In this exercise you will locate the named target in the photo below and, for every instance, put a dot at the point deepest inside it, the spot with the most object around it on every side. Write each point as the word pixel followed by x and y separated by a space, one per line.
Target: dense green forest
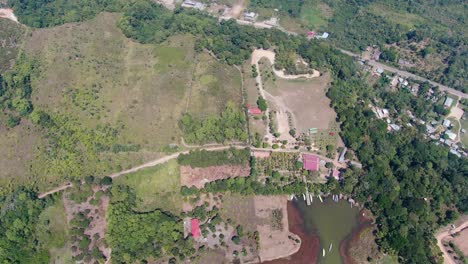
pixel 136 236
pixel 19 215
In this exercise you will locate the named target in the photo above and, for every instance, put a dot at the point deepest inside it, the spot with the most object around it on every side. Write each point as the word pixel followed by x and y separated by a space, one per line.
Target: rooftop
pixel 311 162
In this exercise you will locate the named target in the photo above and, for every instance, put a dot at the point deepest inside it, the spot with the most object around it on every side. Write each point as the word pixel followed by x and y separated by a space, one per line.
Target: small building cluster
pixel 314 35
pixel 193 4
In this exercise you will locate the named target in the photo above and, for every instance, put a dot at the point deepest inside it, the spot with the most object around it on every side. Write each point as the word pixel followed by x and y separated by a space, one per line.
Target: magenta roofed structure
pixel 311 162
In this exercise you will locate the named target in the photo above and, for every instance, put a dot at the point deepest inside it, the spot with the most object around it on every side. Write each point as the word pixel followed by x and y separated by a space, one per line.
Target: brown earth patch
pixel 310 243
pixel 274 242
pixel 199 176
pixel 97 228
pixel 461 241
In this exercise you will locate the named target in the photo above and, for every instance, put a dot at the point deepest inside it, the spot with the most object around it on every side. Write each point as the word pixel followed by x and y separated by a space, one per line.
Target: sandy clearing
pixel 8 14
pixel 198 177
pixel 274 243
pixel 270 55
pixel 442 235
pixel 456 112
pixel 462 241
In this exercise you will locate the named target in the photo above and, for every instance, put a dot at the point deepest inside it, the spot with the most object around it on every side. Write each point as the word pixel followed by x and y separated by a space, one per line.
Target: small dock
pixel 307 195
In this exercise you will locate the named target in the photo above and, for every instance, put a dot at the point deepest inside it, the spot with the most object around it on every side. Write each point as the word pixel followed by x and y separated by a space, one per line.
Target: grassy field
pixel 11 38
pixel 314 15
pixel 53 232
pixel 213 85
pixel 235 203
pixel 156 187
pixel 464 137
pixel 91 73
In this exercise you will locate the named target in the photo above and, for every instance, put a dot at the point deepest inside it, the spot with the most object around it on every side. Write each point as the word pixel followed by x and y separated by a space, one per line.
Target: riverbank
pixel 364 225
pixel 310 242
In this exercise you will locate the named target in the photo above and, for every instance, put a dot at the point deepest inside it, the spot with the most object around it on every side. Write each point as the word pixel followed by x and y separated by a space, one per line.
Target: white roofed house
pixel 450 135
pixel 250 16
pixel 446 123
pixel 193 4
pixel 448 102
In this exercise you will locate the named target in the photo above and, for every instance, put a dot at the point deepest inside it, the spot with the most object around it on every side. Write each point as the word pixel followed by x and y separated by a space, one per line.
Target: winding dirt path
pixel 444 234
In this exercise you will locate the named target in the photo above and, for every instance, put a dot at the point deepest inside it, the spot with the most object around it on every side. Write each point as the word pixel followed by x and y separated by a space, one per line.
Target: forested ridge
pixel 410 184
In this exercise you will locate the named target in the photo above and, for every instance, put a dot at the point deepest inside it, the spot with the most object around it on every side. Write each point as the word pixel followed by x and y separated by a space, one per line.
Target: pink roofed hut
pixel 311 162
pixel 195 227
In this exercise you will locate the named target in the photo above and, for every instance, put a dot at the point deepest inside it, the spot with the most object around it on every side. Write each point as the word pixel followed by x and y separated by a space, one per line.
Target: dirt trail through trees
pixel 442 235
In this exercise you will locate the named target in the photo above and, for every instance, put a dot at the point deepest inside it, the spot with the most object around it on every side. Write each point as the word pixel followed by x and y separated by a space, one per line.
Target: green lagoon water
pixel 333 221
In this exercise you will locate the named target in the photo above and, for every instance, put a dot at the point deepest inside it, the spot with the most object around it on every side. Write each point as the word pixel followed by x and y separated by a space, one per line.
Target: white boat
pixel 323 252
pixel 303 195
pixel 320 198
pixel 310 196
pixel 330 248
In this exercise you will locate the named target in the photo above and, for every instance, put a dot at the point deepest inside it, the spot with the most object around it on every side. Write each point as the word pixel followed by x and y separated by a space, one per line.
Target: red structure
pixel 311 34
pixel 253 110
pixel 336 174
pixel 195 226
pixel 311 162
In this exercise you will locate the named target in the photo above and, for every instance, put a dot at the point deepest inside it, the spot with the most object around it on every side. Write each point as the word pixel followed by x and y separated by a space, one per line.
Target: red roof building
pixel 336 174
pixel 311 162
pixel 195 226
pixel 254 110
pixel 311 34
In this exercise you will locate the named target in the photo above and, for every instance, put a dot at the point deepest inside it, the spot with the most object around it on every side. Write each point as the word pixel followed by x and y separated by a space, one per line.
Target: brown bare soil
pixel 310 243
pixel 461 241
pixel 97 213
pixel 199 176
pixel 274 242
pixel 307 100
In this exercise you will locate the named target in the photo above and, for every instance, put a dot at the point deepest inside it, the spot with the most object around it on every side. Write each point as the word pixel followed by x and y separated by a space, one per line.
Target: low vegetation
pixel 204 158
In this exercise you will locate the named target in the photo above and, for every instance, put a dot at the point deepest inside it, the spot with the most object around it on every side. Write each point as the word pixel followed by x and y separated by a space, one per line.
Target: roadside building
pixel 446 123
pixel 310 162
pixel 193 4
pixel 448 102
pixel 335 174
pixel 450 135
pixel 250 16
pixel 323 36
pixel 395 127
pixel 356 164
pixel 254 110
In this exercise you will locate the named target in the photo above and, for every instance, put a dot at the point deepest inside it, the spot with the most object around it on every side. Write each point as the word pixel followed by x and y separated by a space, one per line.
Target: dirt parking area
pixel 199 176
pixel 275 239
pixel 461 241
pixel 307 100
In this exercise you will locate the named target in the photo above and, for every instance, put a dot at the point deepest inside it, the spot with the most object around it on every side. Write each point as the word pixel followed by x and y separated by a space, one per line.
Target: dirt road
pixel 58 189
pixel 409 75
pixel 442 235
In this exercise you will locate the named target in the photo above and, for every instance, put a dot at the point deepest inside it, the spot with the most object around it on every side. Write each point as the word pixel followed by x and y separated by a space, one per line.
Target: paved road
pixel 409 75
pixel 441 236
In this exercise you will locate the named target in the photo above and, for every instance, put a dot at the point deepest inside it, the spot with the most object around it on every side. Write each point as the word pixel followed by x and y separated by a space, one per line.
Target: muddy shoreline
pixel 310 245
pixel 364 223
